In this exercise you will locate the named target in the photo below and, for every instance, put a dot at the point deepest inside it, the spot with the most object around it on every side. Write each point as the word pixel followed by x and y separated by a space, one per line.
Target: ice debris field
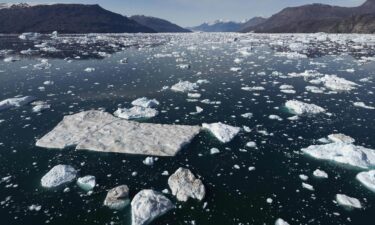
pixel 187 129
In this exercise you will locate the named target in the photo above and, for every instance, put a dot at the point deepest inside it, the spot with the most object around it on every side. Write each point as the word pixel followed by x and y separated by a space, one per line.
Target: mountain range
pixel 320 18
pixel 76 18
pixel 227 26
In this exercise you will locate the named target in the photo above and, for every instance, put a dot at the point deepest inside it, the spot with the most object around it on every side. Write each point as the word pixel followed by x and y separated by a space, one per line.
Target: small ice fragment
pixel 87 183
pixel 320 174
pixel 367 179
pixel 307 186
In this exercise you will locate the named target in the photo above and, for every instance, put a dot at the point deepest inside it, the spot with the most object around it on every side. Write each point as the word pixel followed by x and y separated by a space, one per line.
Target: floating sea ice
pixel 136 112
pixel 145 102
pixel 184 86
pixel 341 138
pixel 288 91
pixel 148 205
pixel 102 132
pixel 251 144
pixel 214 151
pixel 347 201
pixel 320 174
pixel 363 105
pixel 275 117
pixel 48 82
pixel 89 69
pixel 194 95
pixel 117 198
pixel 149 161
pixel 29 36
pixel 59 175
pixel 281 222
pixel 43 65
pixel 11 59
pixel 247 115
pixel 307 186
pixel 87 183
pixel 39 106
pixel 16 102
pixel 184 185
pixel 255 88
pixel 235 69
pixel 314 89
pixel 224 133
pixel 367 179
pixel 124 61
pixel 184 66
pixel 345 153
pixel 301 108
pixel 335 83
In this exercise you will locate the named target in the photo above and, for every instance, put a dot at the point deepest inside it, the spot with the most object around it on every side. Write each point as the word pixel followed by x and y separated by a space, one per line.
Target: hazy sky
pixel 194 12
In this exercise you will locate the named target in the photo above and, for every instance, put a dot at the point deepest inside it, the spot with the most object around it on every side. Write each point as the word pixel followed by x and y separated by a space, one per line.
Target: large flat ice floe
pixel 367 179
pixel 102 132
pixel 345 153
pixel 15 102
pixel 224 133
pixel 301 108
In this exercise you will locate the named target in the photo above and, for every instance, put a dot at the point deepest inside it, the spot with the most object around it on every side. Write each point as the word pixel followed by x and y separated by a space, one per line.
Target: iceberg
pixel 281 222
pixel 136 112
pixel 347 201
pixel 15 102
pixel 148 205
pixel 117 198
pixel 320 173
pixel 335 83
pixel 87 183
pixel 367 179
pixel 301 108
pixel 145 102
pixel 100 131
pixel 224 133
pixel 341 138
pixel 344 153
pixel 59 175
pixel 184 86
pixel 184 185
pixel 362 105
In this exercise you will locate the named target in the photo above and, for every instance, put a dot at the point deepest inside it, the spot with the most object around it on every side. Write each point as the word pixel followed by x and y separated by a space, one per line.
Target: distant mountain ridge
pixel 227 26
pixel 159 25
pixel 76 18
pixel 320 18
pixel 66 18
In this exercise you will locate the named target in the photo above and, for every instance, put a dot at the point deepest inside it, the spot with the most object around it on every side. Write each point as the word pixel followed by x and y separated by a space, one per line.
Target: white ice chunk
pixel 184 86
pixel 136 112
pixel 148 205
pixel 224 133
pixel 367 179
pixel 145 102
pixel 184 185
pixel 15 102
pixel 301 108
pixel 341 138
pixel 350 154
pixel 363 105
pixel 87 183
pixel 281 222
pixel 320 173
pixel 58 175
pixel 347 201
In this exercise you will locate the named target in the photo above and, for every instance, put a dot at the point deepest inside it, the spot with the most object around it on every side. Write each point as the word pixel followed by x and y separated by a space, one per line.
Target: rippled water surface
pixel 235 193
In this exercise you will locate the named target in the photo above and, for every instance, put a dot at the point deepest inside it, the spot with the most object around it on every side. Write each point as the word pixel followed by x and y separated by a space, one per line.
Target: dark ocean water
pixel 234 196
